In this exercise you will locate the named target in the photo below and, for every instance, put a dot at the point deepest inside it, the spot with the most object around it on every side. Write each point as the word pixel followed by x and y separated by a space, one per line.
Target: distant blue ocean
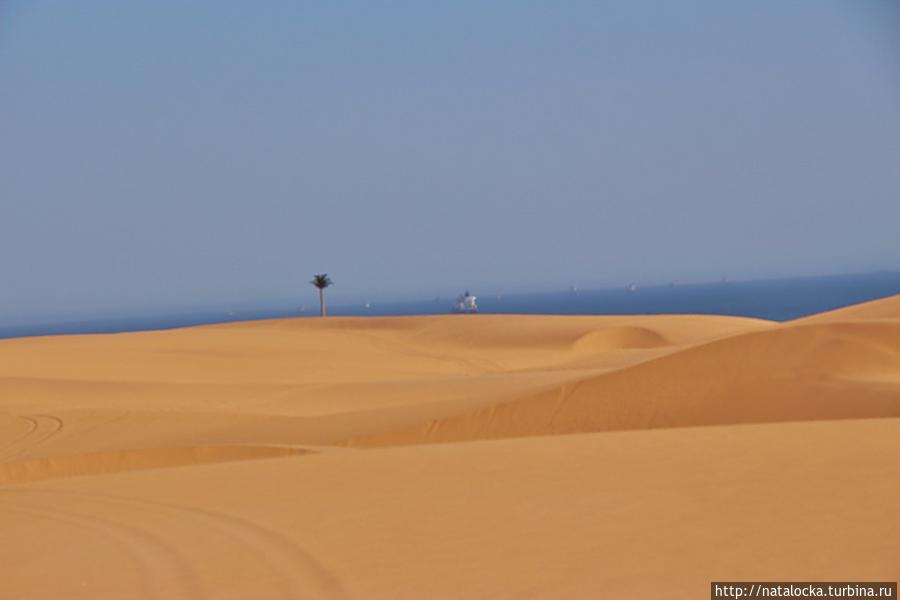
pixel 775 299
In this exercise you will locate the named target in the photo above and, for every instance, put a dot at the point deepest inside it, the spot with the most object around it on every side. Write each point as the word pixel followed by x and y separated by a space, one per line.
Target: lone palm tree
pixel 321 281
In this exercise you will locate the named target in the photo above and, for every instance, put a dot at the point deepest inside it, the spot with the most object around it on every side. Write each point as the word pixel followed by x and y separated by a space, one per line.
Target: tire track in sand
pixel 159 566
pixel 41 427
pixel 295 573
pixel 11 445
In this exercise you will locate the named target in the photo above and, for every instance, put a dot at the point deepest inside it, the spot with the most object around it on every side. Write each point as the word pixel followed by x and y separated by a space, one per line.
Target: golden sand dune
pixel 451 457
pixel 885 308
pixel 841 370
pixel 630 514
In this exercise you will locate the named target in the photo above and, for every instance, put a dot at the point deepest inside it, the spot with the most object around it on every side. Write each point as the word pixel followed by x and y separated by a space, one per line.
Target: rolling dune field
pixel 463 456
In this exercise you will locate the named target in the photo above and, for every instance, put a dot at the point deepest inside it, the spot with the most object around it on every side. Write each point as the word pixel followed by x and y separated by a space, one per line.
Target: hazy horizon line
pixel 310 302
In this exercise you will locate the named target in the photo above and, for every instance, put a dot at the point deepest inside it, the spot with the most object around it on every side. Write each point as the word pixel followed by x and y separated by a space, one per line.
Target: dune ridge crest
pixel 96 463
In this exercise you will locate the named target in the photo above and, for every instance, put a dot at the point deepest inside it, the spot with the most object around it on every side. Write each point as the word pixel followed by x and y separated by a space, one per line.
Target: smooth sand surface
pixel 465 456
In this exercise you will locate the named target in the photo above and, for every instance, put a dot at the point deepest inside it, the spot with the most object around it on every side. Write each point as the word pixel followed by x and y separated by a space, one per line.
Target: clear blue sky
pixel 165 154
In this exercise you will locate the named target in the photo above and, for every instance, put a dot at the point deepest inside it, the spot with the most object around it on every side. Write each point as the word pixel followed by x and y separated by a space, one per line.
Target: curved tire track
pixel 158 563
pixel 295 573
pixel 40 429
pixel 32 425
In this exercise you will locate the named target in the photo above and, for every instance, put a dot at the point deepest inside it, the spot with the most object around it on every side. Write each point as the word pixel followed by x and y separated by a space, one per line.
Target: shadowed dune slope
pixel 69 465
pixel 795 372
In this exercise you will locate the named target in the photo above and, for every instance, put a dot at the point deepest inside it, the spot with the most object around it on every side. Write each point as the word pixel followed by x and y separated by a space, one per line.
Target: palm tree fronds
pixel 321 280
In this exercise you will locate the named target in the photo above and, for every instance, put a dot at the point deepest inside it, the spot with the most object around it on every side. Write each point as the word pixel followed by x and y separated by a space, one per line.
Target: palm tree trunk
pixel 321 302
